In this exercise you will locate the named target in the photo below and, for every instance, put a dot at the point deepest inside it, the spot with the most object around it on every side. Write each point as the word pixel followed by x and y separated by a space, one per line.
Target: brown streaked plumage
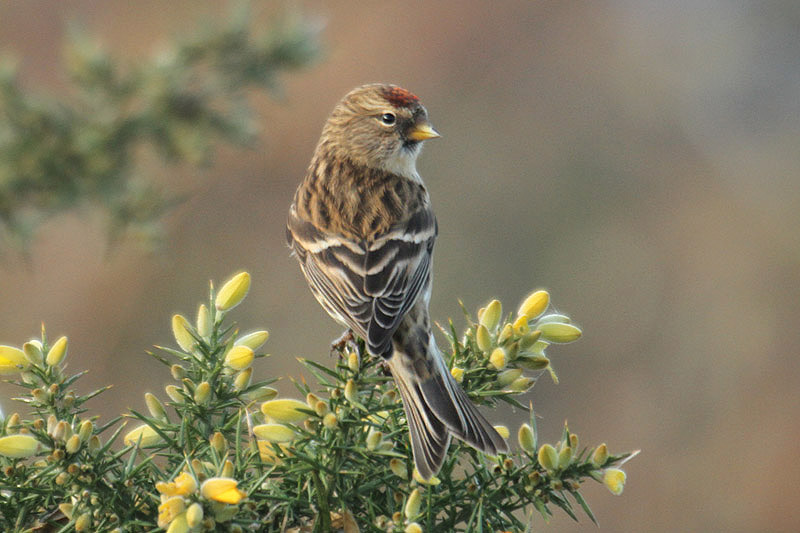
pixel 362 228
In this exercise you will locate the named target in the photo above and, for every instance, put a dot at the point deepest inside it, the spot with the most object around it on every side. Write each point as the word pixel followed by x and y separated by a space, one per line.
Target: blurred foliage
pixel 224 454
pixel 58 155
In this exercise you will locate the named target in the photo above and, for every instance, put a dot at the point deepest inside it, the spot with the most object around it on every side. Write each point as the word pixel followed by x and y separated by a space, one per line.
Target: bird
pixel 363 229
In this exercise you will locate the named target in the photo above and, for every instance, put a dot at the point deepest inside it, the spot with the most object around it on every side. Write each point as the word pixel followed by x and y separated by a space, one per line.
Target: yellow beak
pixel 422 131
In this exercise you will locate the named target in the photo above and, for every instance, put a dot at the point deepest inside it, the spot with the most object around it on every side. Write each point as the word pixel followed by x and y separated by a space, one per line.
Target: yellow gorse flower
pixel 179 524
pixel 239 357
pixel 285 410
pixel 559 332
pixel 12 360
pixel 233 292
pixel 142 435
pixel 57 352
pixel 614 480
pixel 180 330
pixel 222 489
pixel 253 340
pixel 534 305
pixel 170 509
pixel 18 446
pixel 274 433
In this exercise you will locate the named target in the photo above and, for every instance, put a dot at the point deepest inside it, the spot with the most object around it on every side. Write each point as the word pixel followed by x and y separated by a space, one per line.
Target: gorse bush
pixel 83 150
pixel 219 451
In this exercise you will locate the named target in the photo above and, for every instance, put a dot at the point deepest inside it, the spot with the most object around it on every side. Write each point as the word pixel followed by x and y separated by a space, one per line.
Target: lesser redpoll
pixel 362 227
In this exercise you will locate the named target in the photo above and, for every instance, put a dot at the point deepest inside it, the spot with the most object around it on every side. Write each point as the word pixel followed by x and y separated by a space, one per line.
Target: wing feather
pixel 368 286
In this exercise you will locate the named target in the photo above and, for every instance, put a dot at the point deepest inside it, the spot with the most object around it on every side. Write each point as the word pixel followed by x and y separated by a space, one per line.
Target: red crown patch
pixel 400 97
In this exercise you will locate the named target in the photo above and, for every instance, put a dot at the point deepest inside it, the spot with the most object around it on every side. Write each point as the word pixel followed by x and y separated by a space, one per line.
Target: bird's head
pixel 381 126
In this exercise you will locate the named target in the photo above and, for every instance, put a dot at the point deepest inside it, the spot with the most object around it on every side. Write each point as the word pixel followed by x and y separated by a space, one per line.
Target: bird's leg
pixel 339 345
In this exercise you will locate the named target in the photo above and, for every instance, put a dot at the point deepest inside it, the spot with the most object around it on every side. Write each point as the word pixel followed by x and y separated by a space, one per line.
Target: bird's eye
pixel 388 118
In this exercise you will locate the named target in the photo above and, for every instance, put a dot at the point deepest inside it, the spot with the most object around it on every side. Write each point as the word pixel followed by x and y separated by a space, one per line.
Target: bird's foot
pixel 339 345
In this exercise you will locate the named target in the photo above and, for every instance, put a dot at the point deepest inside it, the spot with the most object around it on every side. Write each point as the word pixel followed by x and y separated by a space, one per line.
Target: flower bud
pixel 85 430
pixel 529 339
pixel 233 292
pixel 142 436
pixel 482 338
pixel 555 317
pixel 614 479
pixel 507 376
pixel 498 358
pixel 62 432
pixel 12 360
pixel 413 504
pixel 181 332
pixel 202 394
pixel 352 361
pixel 457 373
pixel 222 490
pixel 539 346
pixel 179 524
pixel 373 439
pixel 573 441
pixel 564 457
pixel 503 431
pixel 311 400
pixel 533 362
pixel 534 305
pixel 83 522
pixel 491 315
pixel 218 442
pixel 521 384
pixel 330 421
pixel 253 340
pixel 413 527
pixel 194 515
pixel 526 439
pixel 239 357
pixel 13 422
pixel 175 393
pixel 389 397
pixel 177 371
pixel 600 455
pixel 242 379
pixel 154 406
pixel 203 322
pixel 261 394
pixel 398 468
pixel 505 333
pixel 57 352
pixel 559 333
pixel 227 469
pixel 41 395
pixel 350 391
pixel 276 433
pixel 33 352
pixel 52 421
pixel 548 457
pixel 94 444
pixel 321 408
pixel 521 326
pixel 73 444
pixel 66 509
pixel 18 446
pixel 287 411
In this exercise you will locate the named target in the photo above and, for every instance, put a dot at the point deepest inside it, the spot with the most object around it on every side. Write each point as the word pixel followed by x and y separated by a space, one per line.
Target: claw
pixel 339 345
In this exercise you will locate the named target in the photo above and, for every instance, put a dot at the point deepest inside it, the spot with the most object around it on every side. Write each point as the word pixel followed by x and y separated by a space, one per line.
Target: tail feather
pixel 436 408
pixel 430 439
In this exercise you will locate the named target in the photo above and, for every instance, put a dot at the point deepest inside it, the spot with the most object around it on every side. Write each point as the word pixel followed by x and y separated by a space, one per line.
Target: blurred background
pixel 639 159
